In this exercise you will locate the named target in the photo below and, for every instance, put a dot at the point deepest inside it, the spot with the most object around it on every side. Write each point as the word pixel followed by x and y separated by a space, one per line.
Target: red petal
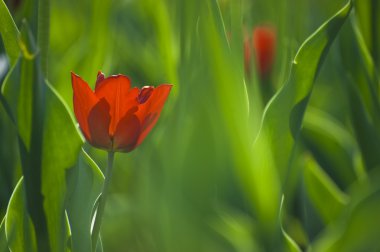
pixel 126 133
pixel 144 94
pixel 116 90
pixel 98 124
pixel 84 100
pixel 149 112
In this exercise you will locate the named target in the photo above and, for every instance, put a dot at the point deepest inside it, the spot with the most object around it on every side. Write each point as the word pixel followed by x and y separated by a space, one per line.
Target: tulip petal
pixel 117 91
pixel 149 112
pixel 99 79
pixel 126 133
pixel 84 100
pixel 98 123
pixel 144 94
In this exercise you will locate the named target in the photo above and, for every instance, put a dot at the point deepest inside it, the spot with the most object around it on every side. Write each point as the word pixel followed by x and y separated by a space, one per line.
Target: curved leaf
pixel 366 132
pixel 60 134
pixel 9 33
pixel 3 238
pixel 324 194
pixel 46 128
pixel 284 114
pixel 290 244
pixel 332 145
pixel 85 182
pixel 357 229
pixel 18 225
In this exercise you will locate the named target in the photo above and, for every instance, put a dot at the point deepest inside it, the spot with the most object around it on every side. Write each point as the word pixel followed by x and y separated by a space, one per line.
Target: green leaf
pixel 361 71
pixel 17 91
pixel 43 33
pixel 3 237
pixel 236 228
pixel 49 144
pixel 85 182
pixel 18 225
pixel 362 85
pixel 9 33
pixel 230 94
pixel 61 147
pixel 59 134
pixel 284 114
pixel 323 193
pixel 367 59
pixel 332 146
pixel 357 229
pixel 99 246
pixel 24 94
pixel 290 244
pixel 367 134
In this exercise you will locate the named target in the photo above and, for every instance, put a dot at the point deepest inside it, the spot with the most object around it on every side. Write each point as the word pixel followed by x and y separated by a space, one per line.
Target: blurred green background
pixel 188 187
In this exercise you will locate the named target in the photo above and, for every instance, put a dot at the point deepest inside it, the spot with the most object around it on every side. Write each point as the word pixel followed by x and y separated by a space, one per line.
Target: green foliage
pixel 356 228
pixel 9 33
pixel 223 170
pixel 45 129
pixel 284 114
pixel 332 145
pixel 323 192
pixel 19 228
pixel 3 238
pixel 84 185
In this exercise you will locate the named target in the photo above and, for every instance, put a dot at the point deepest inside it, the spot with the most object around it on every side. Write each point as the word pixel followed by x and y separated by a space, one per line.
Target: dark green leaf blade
pixel 365 130
pixel 323 193
pixel 3 238
pixel 332 146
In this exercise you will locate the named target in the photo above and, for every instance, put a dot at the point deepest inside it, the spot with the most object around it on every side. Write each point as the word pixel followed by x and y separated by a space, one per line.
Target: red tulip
pixel 264 44
pixel 117 117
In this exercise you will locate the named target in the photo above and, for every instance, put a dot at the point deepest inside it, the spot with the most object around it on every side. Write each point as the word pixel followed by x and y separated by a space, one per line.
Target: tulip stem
pixel 102 201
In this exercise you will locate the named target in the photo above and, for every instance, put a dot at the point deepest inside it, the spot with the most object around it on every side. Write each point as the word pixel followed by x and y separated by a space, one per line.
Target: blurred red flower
pixel 117 117
pixel 264 44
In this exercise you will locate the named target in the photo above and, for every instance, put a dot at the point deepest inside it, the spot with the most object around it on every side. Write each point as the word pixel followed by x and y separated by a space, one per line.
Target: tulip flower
pixel 116 117
pixel 264 44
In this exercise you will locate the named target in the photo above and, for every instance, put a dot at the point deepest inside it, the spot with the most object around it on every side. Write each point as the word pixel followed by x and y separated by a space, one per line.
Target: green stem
pixel 102 201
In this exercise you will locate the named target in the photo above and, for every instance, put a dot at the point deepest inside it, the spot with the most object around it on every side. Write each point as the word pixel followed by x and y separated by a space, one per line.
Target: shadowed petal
pixel 116 90
pixel 84 100
pixel 99 79
pixel 149 112
pixel 126 133
pixel 144 94
pixel 98 123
